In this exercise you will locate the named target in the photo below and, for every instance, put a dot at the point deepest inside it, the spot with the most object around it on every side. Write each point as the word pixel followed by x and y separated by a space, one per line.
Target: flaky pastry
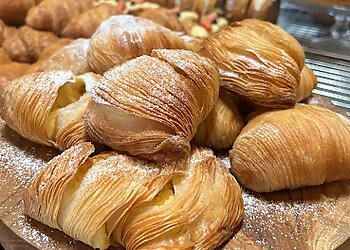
pixel 257 60
pixel 152 106
pixel 55 15
pixel 70 57
pixel 121 38
pixel 303 146
pixel 190 204
pixel 27 44
pixel 308 82
pixel 14 11
pixel 222 125
pixel 47 108
pixel 85 24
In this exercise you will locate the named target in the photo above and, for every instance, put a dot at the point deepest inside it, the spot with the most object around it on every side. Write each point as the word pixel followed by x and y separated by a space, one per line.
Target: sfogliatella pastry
pixel 324 102
pixel 85 24
pixel 190 204
pixel 55 15
pixel 27 44
pixel 47 108
pixel 222 125
pixel 308 82
pixel 257 60
pixel 14 11
pixel 303 146
pixel 4 57
pixel 121 38
pixel 151 106
pixel 71 57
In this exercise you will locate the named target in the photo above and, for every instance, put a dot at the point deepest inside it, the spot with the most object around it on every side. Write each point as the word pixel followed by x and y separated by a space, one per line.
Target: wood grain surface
pixel 307 218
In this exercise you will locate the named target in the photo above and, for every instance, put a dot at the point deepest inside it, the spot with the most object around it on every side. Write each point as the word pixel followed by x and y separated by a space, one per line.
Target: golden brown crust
pixel 235 10
pixel 192 43
pixel 161 16
pixel 46 108
pixel 55 15
pixel 70 57
pixel 14 12
pixel 121 38
pixel 4 57
pixel 92 199
pixel 222 125
pixel 292 148
pixel 52 48
pixel 263 67
pixel 85 24
pixel 308 82
pixel 151 106
pixel 324 102
pixel 27 44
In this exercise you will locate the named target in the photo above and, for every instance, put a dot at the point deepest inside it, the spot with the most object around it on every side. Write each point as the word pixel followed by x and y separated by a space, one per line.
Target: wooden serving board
pixel 308 218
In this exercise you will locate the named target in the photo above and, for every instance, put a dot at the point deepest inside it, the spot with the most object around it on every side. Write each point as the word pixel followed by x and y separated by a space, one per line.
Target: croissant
pixel 122 38
pixel 4 57
pixel 292 148
pixel 222 125
pixel 257 60
pixel 6 32
pixel 141 205
pixel 152 106
pixel 161 16
pixel 85 24
pixel 55 15
pixel 307 83
pixel 70 57
pixel 14 11
pixel 47 108
pixel 27 44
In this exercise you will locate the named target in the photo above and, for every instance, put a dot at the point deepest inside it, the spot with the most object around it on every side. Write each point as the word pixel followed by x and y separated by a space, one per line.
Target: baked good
pixel 162 16
pixel 235 10
pixel 257 60
pixel 121 38
pixel 192 43
pixel 52 48
pixel 10 71
pixel 308 82
pixel 85 24
pixel 71 57
pixel 324 102
pixel 55 15
pixel 14 11
pixel 221 126
pixel 292 148
pixel 267 10
pixel 6 31
pixel 151 106
pixel 4 57
pixel 27 44
pixel 135 203
pixel 47 108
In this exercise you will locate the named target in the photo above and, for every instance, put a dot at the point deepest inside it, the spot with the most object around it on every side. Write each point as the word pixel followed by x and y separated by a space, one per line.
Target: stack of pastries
pixel 161 101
